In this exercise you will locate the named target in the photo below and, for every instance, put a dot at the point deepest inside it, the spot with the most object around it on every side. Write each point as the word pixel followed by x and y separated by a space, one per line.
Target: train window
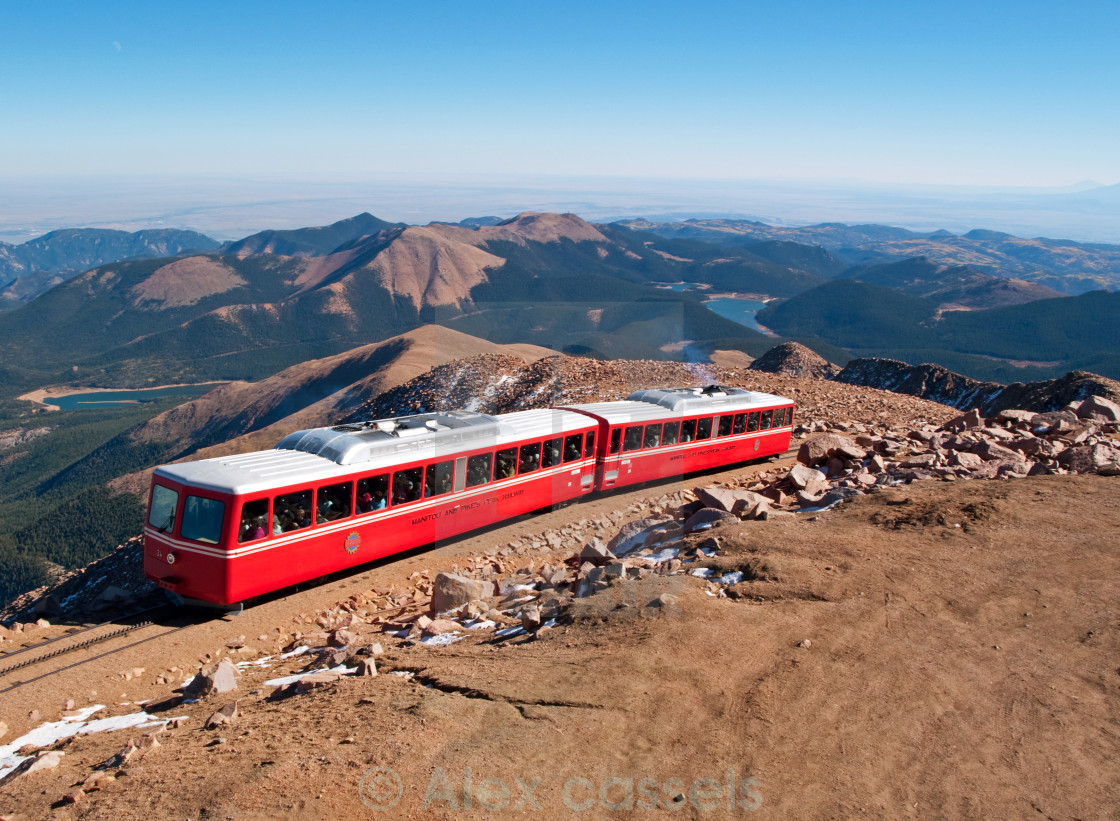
pixel 437 479
pixel 703 428
pixel 616 440
pixel 406 485
pixel 653 436
pixel 779 417
pixel 633 439
pixel 789 416
pixel 333 502
pixel 671 434
pixel 291 511
pixel 572 446
pixel 505 463
pixel 530 458
pixel 162 514
pixel 752 421
pixel 202 519
pixel 725 423
pixel 254 519
pixel 740 423
pixel 478 469
pixel 589 447
pixel 688 430
pixel 765 424
pixel 550 456
pixel 373 493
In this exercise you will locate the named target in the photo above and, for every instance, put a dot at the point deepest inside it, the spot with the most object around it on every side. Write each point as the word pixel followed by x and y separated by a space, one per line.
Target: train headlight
pixel 171 558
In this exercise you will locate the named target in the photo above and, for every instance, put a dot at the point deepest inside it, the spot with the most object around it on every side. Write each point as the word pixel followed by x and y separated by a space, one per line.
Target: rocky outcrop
pixel 938 384
pixel 794 359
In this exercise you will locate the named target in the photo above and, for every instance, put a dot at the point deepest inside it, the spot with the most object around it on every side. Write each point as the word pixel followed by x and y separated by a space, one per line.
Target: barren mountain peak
pixel 186 281
pixel 544 227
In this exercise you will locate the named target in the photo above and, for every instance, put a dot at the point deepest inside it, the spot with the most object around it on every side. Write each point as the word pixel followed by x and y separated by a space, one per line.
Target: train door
pixel 612 450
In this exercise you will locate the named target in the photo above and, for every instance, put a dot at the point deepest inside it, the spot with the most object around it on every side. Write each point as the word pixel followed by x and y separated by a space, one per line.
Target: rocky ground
pixel 913 618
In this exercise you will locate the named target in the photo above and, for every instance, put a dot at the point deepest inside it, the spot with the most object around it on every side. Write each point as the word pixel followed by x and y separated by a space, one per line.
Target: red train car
pixel 655 434
pixel 227 529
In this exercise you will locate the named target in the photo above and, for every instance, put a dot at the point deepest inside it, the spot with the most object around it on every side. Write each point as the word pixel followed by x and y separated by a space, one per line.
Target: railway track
pixel 82 639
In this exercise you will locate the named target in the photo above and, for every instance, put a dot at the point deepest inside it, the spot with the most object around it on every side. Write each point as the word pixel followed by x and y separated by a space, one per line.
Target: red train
pixel 227 529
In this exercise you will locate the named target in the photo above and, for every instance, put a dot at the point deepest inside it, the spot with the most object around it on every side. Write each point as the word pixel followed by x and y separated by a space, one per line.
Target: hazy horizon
pixel 234 208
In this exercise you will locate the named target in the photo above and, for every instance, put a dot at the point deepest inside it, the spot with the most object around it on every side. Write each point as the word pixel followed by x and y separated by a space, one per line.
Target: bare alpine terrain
pixel 937 646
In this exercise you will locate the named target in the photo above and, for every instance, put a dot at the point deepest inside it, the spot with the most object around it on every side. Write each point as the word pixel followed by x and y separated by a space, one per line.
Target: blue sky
pixel 1005 94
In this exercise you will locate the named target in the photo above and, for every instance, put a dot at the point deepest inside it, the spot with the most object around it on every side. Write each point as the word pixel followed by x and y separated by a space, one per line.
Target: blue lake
pixel 116 399
pixel 737 310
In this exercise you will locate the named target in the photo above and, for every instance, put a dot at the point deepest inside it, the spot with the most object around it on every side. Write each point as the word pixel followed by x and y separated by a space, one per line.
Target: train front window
pixel 633 440
pixel 652 437
pixel 373 493
pixel 550 456
pixel 572 447
pixel 765 424
pixel 789 416
pixel 752 422
pixel 671 434
pixel 589 447
pixel 407 485
pixel 478 470
pixel 333 502
pixel 291 511
pixel 162 514
pixel 703 428
pixel 202 519
pixel 254 520
pixel 505 463
pixel 437 479
pixel 530 458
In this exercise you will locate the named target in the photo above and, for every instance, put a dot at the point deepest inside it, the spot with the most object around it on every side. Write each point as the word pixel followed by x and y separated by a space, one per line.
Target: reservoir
pixel 115 399
pixel 737 310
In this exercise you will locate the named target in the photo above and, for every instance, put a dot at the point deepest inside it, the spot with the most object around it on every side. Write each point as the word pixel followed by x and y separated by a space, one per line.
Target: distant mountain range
pixel 29 269
pixel 1064 265
pixel 249 308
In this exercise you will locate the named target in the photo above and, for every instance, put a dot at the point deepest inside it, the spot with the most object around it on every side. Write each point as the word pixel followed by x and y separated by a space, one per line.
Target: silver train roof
pixel 646 405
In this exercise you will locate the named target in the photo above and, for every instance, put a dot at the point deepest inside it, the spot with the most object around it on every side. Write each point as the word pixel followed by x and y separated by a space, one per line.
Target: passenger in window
pixel 572 448
pixel 671 434
pixel 530 459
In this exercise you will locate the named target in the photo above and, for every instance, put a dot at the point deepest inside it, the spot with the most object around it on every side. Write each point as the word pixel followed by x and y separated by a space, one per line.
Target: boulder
pixel 450 590
pixel 633 534
pixel 972 419
pixel 708 517
pixel 596 552
pixel 317 681
pixel 1015 417
pixel 222 716
pixel 818 449
pixel 43 760
pixel 439 626
pixel 366 667
pixel 727 499
pixel 219 677
pixel 806 478
pixel 531 617
pixel 1099 458
pixel 1099 409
